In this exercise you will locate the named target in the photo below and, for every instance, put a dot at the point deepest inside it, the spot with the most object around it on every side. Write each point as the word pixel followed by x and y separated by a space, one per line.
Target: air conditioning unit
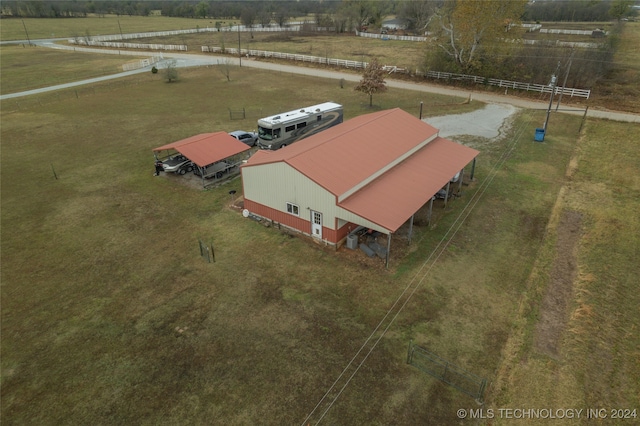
pixel 352 241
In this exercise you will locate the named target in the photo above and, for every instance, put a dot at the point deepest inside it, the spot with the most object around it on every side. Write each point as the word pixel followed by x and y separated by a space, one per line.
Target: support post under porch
pixel 386 262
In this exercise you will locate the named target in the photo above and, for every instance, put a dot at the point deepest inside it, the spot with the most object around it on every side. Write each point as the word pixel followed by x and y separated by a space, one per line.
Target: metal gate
pixel 441 369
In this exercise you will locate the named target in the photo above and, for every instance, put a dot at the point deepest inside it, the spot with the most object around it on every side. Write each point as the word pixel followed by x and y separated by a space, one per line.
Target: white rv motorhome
pixel 280 130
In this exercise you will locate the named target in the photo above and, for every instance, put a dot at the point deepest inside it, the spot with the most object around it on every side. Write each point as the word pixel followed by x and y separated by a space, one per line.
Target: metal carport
pixel 206 149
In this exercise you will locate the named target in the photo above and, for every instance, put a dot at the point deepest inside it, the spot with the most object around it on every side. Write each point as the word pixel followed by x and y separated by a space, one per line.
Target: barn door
pixel 316 224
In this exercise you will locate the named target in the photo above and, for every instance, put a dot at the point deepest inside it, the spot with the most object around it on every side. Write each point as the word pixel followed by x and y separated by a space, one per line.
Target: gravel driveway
pixel 488 122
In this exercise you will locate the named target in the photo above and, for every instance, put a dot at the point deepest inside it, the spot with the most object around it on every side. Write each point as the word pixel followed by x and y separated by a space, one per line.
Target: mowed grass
pixel 598 365
pixel 27 68
pixel 109 315
pixel 92 25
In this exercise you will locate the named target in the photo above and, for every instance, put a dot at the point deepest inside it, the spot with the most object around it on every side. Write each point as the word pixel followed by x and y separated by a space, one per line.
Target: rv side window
pixel 301 125
pixel 319 118
pixel 276 133
pixel 289 128
pixel 293 209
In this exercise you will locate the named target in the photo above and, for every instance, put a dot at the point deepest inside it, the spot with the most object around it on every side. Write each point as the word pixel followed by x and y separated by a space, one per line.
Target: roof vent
pixel 301 110
pixel 317 109
pixel 277 117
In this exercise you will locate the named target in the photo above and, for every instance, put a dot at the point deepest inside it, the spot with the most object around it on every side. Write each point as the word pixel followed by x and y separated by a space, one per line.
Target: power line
pixel 333 393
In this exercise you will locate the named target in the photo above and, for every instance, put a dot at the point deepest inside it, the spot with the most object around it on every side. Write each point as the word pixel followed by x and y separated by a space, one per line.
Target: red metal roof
pixel 394 197
pixel 354 152
pixel 207 148
pixel 343 156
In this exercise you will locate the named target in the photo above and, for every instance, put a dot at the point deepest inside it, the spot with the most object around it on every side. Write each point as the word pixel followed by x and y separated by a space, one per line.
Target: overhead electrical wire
pixel 437 252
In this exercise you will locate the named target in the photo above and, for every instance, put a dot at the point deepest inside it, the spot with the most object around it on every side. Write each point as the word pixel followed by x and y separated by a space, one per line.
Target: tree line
pixel 413 13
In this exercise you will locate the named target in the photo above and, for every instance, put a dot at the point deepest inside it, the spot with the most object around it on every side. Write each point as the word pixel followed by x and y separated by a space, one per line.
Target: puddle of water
pixel 487 122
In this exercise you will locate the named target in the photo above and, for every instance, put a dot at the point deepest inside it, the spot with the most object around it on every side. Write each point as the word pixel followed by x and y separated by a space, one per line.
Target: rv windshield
pixel 264 133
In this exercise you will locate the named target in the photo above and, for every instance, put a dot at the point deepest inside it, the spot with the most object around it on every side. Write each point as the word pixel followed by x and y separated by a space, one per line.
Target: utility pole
pixel 25 30
pixel 564 84
pixel 552 83
pixel 239 49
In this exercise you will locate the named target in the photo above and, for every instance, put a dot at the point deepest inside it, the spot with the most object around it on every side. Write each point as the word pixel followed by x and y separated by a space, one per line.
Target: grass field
pixel 615 91
pixel 27 68
pixel 36 28
pixel 109 314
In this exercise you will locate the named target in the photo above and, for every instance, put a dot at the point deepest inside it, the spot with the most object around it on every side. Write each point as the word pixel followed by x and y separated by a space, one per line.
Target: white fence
pixel 120 45
pixel 542 88
pixel 572 32
pixel 558 43
pixel 241 28
pixel 142 63
pixel 393 69
pixel 288 56
pixel 531 27
pixel 390 36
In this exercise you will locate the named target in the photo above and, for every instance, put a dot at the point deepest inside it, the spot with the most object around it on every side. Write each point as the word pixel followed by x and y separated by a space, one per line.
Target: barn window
pixel 293 209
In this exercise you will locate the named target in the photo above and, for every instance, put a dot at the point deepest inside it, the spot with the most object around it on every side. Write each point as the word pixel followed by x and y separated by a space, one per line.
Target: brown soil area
pixel 555 303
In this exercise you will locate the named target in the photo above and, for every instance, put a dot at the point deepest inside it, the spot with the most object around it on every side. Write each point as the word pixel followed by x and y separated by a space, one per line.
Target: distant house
pixel 394 24
pixel 373 171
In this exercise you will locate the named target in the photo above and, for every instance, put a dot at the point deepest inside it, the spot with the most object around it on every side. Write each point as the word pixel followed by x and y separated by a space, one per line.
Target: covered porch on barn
pixel 435 174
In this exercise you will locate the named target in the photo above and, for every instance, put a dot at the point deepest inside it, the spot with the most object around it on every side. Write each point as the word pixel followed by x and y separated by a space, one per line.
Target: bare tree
pixel 416 14
pixel 469 28
pixel 225 68
pixel 264 18
pixel 281 16
pixel 372 80
pixel 171 72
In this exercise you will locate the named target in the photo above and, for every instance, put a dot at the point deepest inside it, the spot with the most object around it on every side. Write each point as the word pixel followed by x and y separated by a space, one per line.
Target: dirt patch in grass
pixel 555 303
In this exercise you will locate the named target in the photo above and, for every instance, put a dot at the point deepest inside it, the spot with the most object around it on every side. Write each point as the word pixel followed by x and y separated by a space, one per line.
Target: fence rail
pixel 450 374
pixel 572 32
pixel 390 36
pixel 142 63
pixel 393 69
pixel 121 45
pixel 288 56
pixel 581 93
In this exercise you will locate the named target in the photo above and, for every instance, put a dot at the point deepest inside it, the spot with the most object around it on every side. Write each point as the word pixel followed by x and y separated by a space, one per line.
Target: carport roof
pixel 207 148
pixel 391 199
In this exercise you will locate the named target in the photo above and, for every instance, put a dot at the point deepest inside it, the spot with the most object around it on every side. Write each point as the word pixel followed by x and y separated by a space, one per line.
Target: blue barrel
pixel 539 135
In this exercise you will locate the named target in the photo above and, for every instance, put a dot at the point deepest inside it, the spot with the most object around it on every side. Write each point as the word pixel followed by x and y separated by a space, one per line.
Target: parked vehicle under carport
pixel 215 170
pixel 178 164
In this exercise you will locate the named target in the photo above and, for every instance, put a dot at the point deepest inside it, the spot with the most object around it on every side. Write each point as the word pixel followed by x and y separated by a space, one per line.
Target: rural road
pixel 190 60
